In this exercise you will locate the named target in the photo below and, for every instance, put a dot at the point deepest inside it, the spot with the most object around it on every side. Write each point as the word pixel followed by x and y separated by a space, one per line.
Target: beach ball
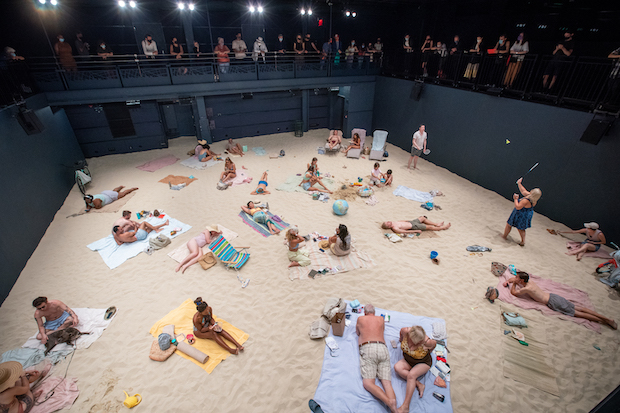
pixel 340 207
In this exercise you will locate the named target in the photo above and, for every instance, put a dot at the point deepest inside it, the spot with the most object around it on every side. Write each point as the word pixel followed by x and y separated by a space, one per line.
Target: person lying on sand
pixel 259 215
pixel 522 287
pixel 15 393
pixel 595 238
pixel 415 226
pixel 125 223
pixel 57 316
pixel 206 327
pixel 195 245
pixel 261 189
pixel 129 236
pixel 105 197
pixel 234 148
pixel 309 181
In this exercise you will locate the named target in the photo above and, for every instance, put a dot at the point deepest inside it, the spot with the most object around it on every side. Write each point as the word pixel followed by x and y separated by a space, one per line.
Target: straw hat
pixel 212 228
pixel 9 373
pixel 202 142
pixel 591 225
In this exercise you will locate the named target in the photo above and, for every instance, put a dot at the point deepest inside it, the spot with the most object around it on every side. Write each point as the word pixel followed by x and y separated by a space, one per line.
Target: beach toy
pixel 340 207
pixel 429 204
pixel 315 196
pixel 434 258
pixel 132 401
pixel 191 339
pixel 359 179
pixel 427 151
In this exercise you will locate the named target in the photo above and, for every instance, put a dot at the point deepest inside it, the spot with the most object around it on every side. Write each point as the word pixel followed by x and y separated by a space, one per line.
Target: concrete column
pixel 305 108
pixel 200 119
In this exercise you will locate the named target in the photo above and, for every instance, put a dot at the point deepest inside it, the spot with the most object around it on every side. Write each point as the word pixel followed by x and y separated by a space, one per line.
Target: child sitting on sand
pixel 297 256
pixel 388 178
pixel 376 175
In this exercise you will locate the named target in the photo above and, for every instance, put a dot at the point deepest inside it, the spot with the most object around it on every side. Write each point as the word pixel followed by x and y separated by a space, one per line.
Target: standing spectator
pixel 370 53
pixel 103 50
pixel 613 82
pixel 337 49
pixel 17 72
pixel 309 45
pixel 299 49
pixel 426 49
pixel 418 145
pixel 361 53
pixel 502 49
pixel 350 53
pixel 562 51
pixel 442 53
pixel 326 52
pixel 471 71
pixel 455 47
pixel 260 48
pixel 65 54
pixel 81 47
pixel 408 53
pixel 517 54
pixel 149 47
pixel 11 55
pixel 280 45
pixel 379 45
pixel 196 49
pixel 176 49
pixel 221 52
pixel 239 47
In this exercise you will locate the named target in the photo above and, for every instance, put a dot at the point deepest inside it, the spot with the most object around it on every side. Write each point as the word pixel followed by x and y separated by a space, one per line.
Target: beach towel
pixel 603 252
pixel 241 178
pixel 57 392
pixel 110 208
pixel 91 321
pixel 181 317
pixel 529 364
pixel 152 166
pixel 320 260
pixel 259 151
pixel 114 255
pixel 292 184
pixel 340 387
pixel 413 194
pixel 572 294
pixel 181 252
pixel 32 356
pixel 194 163
pixel 261 228
pixel 177 180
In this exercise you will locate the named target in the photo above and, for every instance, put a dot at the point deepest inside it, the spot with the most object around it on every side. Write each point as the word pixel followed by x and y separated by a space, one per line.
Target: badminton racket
pixel 531 169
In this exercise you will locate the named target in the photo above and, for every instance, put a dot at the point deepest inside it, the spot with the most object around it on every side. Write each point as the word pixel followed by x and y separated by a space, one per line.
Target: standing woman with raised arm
pixel 521 216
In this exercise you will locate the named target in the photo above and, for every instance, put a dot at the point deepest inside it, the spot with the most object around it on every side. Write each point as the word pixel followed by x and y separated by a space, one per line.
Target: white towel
pixel 194 163
pixel 413 194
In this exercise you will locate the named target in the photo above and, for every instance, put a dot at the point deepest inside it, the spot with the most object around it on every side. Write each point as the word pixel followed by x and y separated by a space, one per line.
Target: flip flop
pixel 109 313
pixel 314 406
pixel 244 283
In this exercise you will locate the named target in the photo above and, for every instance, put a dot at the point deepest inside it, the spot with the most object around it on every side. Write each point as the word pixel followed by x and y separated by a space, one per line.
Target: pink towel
pixel 241 178
pixel 572 294
pixel 594 254
pixel 63 396
pixel 152 166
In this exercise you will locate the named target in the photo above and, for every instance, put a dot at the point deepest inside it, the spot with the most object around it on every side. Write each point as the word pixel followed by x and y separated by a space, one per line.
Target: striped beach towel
pixel 262 228
pixel 320 260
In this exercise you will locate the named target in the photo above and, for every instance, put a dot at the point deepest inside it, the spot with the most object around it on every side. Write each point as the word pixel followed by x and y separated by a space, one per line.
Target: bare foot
pixel 294 264
pixel 613 325
pixel 403 409
pixel 420 387
pixel 178 268
pixel 162 227
pixel 234 351
pixel 578 258
pixel 184 268
pixel 241 348
pixel 32 375
pixel 522 244
pixel 392 406
pixel 504 237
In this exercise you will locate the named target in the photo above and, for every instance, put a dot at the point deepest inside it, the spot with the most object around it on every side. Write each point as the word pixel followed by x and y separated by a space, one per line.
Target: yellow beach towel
pixel 182 317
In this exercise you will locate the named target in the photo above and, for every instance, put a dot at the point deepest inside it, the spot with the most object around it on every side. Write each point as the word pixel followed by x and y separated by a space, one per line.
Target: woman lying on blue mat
pixel 260 216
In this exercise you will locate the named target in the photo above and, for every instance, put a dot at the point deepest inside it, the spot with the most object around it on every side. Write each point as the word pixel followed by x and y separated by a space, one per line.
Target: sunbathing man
pixel 529 289
pixel 125 223
pixel 310 179
pixel 261 189
pixel 131 235
pixel 57 316
pixel 234 148
pixel 105 197
pixel 334 141
pixel 260 216
pixel 414 227
pixel 375 357
pixel 355 143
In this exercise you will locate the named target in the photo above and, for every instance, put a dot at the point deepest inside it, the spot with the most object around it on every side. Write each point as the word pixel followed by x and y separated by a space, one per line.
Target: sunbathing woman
pixel 105 197
pixel 334 140
pixel 595 238
pixel 260 216
pixel 204 152
pixel 417 348
pixel 230 171
pixel 195 245
pixel 355 143
pixel 297 256
pixel 206 327
pixel 261 189
pixel 309 180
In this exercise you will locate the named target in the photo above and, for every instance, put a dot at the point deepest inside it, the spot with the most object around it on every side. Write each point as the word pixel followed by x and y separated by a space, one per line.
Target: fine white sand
pixel 281 366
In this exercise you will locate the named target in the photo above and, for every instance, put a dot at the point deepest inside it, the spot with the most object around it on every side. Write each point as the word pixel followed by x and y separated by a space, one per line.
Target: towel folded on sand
pixel 292 184
pixel 114 255
pixel 601 253
pixel 241 178
pixel 413 194
pixel 259 151
pixel 340 387
pixel 177 180
pixel 110 208
pixel 261 228
pixel 572 294
pixel 182 319
pixel 91 321
pixel 194 163
pixel 181 252
pixel 320 260
pixel 33 356
pixel 59 392
pixel 152 166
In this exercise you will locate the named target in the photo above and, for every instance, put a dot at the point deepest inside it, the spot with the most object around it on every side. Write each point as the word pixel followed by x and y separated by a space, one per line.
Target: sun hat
pixel 489 292
pixel 9 373
pixel 591 225
pixel 212 228
pixel 202 142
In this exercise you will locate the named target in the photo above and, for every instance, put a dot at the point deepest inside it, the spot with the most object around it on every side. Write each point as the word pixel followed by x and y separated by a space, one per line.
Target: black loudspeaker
pixel 416 90
pixel 598 127
pixel 29 121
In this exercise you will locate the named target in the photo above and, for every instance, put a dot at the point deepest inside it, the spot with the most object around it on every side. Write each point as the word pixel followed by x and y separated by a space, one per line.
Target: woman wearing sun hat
pixel 15 394
pixel 595 238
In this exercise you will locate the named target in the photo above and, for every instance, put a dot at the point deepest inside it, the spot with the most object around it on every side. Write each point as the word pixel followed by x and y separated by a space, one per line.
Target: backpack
pixel 159 242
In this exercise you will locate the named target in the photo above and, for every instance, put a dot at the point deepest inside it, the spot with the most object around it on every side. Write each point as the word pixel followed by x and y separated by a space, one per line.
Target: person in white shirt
pixel 418 145
pixel 239 47
pixel 260 48
pixel 149 47
pixel 376 175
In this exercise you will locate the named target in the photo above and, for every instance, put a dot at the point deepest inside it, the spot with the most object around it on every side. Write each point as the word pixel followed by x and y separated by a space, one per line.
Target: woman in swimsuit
pixel 206 327
pixel 261 189
pixel 204 152
pixel 195 245
pixel 15 394
pixel 310 179
pixel 298 257
pixel 260 216
pixel 355 143
pixel 230 171
pixel 316 166
pixel 521 216
pixel 595 238
pixel 417 348
pixel 106 197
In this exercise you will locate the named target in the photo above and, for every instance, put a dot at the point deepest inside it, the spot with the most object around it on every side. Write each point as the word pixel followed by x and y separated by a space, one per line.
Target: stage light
pixel 132 4
pixel 54 2
pixel 354 14
pixel 42 1
pixel 260 9
pixel 309 12
pixel 347 13
pixel 252 9
pixel 303 11
pixel 121 3
pixel 181 6
pixel 191 6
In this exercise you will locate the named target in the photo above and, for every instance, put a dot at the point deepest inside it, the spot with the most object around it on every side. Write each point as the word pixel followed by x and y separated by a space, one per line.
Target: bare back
pixel 370 328
pixel 535 292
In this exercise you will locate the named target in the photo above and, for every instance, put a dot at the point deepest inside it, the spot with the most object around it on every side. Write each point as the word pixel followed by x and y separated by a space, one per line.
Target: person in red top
pixel 222 51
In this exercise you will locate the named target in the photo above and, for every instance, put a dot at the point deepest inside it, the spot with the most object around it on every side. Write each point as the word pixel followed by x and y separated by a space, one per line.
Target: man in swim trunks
pixel 261 189
pixel 57 316
pixel 529 289
pixel 375 357
pixel 130 235
pixel 260 216
pixel 234 148
pixel 106 197
pixel 125 223
pixel 415 226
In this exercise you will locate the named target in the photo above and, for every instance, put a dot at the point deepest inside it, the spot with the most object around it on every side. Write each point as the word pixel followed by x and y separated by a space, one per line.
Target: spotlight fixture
pixel 252 9
pixel 347 13
pixel 191 6
pixel 181 6
pixel 121 3
pixel 354 14
pixel 309 12
pixel 303 11
pixel 54 2
pixel 42 1
pixel 260 9
pixel 132 4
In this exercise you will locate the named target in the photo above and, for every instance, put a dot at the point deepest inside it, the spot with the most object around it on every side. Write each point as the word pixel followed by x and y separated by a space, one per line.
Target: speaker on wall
pixel 416 89
pixel 598 127
pixel 29 121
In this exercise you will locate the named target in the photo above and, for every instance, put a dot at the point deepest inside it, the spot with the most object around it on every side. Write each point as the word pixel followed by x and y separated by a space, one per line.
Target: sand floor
pixel 281 366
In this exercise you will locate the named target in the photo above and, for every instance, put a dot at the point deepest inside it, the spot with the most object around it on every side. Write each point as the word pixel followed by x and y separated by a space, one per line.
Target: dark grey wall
pixel 467 134
pixel 37 174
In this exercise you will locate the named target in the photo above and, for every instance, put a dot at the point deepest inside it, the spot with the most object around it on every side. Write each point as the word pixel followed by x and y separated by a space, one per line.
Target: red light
pixel 320 22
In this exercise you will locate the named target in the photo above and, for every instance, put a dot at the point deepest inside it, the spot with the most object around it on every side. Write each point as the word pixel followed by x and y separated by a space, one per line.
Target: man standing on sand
pixel 418 146
pixel 128 236
pixel 375 357
pixel 529 289
pixel 57 316
pixel 415 226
